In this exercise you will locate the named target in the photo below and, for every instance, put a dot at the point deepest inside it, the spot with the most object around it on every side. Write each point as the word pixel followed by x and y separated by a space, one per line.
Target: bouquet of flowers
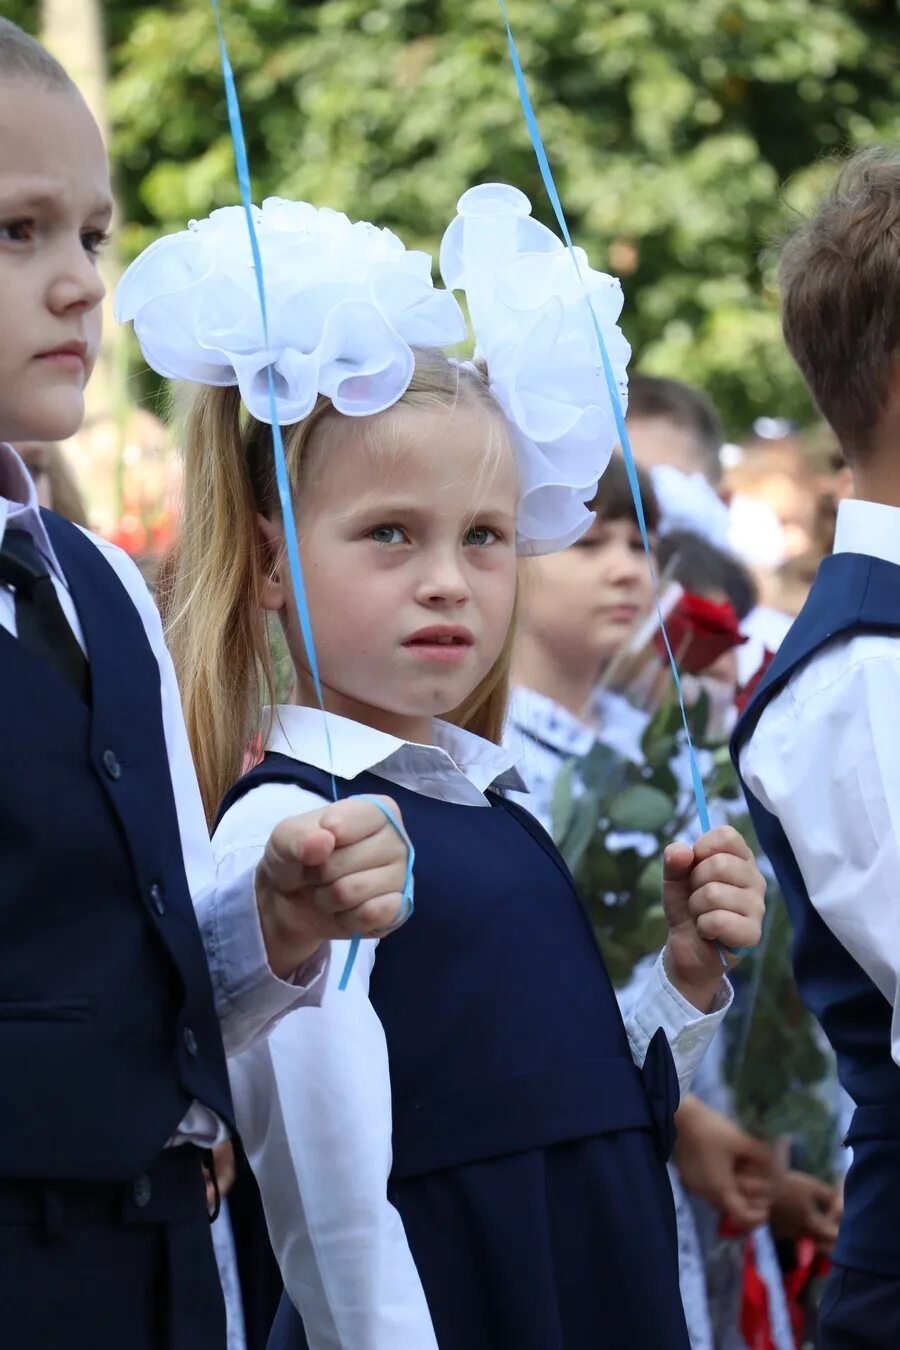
pixel 613 817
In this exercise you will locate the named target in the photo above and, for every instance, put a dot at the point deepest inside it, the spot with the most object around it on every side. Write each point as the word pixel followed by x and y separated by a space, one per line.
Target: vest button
pixel 142 1190
pixel 111 764
pixel 190 1042
pixel 156 898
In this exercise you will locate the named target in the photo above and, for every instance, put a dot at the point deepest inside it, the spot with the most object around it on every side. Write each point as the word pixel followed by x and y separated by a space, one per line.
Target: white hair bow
pixel 347 304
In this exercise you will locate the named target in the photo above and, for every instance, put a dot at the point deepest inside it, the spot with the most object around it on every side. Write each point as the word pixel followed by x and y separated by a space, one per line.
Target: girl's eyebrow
pixel 399 506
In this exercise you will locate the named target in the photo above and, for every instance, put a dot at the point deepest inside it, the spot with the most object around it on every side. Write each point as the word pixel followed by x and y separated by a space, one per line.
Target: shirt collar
pixel 870 528
pixel 617 723
pixel 451 768
pixel 544 720
pixel 19 506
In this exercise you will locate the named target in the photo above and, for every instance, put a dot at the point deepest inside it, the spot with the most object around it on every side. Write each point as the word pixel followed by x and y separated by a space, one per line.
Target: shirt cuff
pixel 657 1003
pixel 250 998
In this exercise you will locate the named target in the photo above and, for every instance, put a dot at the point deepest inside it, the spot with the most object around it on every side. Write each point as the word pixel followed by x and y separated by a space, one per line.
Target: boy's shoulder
pixel 129 574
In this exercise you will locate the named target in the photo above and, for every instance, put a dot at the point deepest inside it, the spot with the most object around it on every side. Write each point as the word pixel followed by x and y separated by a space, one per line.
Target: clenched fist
pixel 337 872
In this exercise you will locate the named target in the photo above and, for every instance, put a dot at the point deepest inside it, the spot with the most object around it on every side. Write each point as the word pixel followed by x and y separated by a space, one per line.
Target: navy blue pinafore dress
pixel 528 1149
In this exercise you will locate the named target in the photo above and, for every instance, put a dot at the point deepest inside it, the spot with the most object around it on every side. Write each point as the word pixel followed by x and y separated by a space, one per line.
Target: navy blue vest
pixel 107 1026
pixel 851 594
pixel 502 1027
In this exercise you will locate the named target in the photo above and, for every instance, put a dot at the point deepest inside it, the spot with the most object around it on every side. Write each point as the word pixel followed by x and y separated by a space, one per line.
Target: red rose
pixel 700 631
pixel 744 695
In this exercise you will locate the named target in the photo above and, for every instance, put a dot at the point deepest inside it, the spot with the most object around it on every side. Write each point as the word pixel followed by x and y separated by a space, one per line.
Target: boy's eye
pixel 387 534
pixel 17 231
pixel 93 241
pixel 480 536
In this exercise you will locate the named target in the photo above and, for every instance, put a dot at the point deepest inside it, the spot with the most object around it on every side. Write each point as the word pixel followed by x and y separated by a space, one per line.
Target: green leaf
pixel 663 778
pixel 642 808
pixel 649 885
pixel 562 802
pixel 580 831
pixel 601 767
pixel 698 717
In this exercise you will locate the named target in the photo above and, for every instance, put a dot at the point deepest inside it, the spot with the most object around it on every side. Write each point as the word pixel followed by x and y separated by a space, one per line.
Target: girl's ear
pixel 273 592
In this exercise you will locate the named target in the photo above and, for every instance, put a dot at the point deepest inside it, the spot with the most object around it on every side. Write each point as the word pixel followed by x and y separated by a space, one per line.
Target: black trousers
pixel 111 1266
pixel 859 1311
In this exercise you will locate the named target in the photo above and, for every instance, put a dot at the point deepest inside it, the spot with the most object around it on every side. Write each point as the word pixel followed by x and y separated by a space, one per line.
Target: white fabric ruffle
pixel 347 303
pixel 533 328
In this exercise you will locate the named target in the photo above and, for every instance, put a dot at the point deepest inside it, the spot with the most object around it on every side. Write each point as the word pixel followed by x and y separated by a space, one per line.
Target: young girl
pixel 462 1151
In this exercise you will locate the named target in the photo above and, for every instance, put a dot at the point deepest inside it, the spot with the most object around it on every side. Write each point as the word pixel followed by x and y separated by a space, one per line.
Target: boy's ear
pixel 273 594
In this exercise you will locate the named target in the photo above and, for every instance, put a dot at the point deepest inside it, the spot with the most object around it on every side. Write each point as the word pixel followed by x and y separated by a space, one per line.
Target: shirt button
pixel 111 764
pixel 190 1042
pixel 156 898
pixel 686 1041
pixel 142 1191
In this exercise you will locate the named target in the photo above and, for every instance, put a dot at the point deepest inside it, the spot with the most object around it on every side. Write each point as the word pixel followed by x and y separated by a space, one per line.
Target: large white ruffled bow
pixel 347 303
pixel 533 328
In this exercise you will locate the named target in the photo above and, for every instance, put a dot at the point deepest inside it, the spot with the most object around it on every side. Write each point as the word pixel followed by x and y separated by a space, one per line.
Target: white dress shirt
pixel 249 998
pixel 823 759
pixel 314 1103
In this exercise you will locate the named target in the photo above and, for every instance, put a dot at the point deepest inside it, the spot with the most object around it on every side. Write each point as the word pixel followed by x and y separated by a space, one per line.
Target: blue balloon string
pixel 407 903
pixel 281 474
pixel 622 431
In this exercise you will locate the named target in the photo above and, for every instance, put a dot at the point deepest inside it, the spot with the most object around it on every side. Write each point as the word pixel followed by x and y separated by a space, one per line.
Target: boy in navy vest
pixel 818 745
pixel 112 1068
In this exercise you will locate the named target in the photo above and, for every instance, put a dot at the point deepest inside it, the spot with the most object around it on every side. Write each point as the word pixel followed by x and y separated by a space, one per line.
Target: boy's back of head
pixel 840 286
pixel 671 423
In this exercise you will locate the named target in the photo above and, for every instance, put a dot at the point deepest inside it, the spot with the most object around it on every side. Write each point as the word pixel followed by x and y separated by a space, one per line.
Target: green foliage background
pixel 684 135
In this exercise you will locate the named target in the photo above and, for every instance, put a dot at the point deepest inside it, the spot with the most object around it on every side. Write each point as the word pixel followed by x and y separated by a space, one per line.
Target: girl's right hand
pixel 338 872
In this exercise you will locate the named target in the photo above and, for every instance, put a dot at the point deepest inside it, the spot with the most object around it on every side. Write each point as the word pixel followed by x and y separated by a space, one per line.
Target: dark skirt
pixel 571 1247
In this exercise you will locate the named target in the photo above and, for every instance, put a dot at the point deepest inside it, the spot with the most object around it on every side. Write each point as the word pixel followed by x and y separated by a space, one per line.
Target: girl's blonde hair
pixel 217 628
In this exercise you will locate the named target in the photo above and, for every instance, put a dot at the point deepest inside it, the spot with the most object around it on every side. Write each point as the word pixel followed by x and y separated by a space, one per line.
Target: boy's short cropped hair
pixel 614 500
pixel 684 407
pixel 23 57
pixel 702 568
pixel 840 296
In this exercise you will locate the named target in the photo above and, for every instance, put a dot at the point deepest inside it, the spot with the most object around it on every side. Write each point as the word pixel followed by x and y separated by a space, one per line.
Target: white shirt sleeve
pixel 654 1002
pixel 823 760
pixel 313 1106
pixel 249 997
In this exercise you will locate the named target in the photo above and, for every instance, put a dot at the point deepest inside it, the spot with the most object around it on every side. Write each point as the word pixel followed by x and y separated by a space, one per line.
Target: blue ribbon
pixel 281 474
pixel 407 904
pixel 621 429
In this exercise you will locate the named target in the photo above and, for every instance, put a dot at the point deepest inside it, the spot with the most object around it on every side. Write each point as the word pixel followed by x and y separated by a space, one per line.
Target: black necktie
pixel 41 625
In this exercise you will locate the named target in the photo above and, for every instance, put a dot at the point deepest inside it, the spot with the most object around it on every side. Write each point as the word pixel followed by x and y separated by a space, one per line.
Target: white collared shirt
pixel 249 997
pixel 314 1102
pixel 823 759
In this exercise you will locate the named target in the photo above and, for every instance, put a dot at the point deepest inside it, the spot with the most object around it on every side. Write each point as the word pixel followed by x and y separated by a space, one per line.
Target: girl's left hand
pixel 713 893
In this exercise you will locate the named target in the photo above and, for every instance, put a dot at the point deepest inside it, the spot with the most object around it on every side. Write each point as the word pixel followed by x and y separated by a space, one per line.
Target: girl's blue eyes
pixel 479 536
pixel 378 534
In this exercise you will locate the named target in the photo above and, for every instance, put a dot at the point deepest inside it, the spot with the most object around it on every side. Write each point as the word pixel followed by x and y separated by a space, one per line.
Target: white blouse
pixel 314 1103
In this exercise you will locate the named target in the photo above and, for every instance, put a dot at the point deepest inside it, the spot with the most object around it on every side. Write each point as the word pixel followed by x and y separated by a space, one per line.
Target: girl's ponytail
pixel 216 626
